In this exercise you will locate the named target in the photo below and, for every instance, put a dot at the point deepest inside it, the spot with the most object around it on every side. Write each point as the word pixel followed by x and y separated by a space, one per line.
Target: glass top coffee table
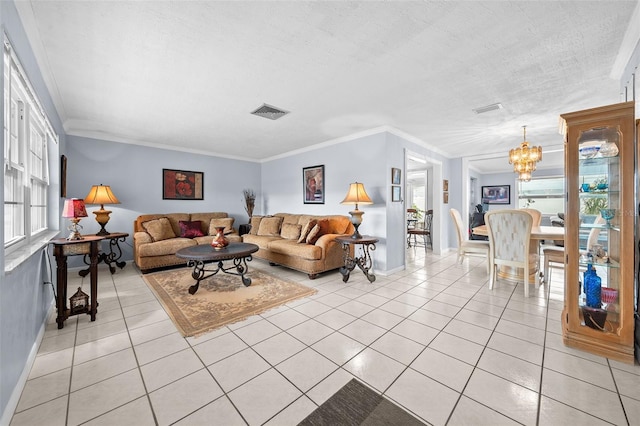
pixel 198 256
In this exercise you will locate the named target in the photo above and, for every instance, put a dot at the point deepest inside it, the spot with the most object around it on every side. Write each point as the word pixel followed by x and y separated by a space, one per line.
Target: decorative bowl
pixel 609 295
pixel 594 317
pixel 589 151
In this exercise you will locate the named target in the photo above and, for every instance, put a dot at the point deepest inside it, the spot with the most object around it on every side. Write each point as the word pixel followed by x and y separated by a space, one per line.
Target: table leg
pixel 365 263
pixel 61 293
pixel 94 280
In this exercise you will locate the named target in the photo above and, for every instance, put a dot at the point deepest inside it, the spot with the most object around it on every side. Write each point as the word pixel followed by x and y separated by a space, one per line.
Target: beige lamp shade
pixel 101 194
pixel 356 195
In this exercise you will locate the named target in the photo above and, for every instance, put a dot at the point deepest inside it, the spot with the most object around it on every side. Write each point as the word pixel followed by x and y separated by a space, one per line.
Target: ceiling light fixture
pixel 524 158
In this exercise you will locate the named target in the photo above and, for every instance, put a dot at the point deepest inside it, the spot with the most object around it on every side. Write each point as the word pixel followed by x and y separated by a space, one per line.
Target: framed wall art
pixel 396 175
pixel 182 185
pixel 445 185
pixel 396 193
pixel 63 176
pixel 313 184
pixel 498 194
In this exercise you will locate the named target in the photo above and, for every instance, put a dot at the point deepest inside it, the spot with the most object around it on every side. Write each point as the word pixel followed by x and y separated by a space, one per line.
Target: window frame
pixel 28 137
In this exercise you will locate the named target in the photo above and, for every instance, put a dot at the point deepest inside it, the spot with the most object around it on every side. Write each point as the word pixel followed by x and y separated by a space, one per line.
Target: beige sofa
pixel 156 237
pixel 284 239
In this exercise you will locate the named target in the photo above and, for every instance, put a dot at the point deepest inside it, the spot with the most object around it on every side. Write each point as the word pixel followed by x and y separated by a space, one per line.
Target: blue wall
pixel 24 298
pixel 135 175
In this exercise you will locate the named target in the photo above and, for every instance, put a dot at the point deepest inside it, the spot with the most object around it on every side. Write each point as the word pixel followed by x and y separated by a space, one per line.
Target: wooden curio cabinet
pixel 599 231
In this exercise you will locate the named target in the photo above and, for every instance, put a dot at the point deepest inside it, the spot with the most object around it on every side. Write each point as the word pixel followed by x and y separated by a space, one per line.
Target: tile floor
pixel 432 338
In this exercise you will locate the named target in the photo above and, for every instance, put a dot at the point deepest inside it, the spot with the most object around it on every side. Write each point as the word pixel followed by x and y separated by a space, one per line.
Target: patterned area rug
pixel 356 404
pixel 221 299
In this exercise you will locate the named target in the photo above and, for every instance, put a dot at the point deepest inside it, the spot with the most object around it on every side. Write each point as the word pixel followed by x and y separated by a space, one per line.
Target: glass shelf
pixel 611 265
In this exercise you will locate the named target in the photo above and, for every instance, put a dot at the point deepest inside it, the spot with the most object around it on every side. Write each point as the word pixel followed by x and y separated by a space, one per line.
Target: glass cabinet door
pixel 599 231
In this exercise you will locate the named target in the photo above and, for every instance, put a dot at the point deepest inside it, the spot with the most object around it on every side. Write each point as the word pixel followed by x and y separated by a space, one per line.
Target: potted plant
pixel 249 201
pixel 593 205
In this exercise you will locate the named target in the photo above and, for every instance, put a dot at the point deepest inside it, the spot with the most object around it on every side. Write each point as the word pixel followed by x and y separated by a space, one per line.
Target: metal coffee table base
pixel 199 271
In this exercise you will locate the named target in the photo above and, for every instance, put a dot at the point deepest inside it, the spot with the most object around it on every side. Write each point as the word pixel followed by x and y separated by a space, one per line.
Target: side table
pixel 113 256
pixel 244 228
pixel 62 248
pixel 363 261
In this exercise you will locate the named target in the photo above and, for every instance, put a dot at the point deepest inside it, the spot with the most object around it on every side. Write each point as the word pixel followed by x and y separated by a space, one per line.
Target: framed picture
pixel 499 194
pixel 182 185
pixel 63 176
pixel 445 197
pixel 396 174
pixel 396 193
pixel 445 185
pixel 313 184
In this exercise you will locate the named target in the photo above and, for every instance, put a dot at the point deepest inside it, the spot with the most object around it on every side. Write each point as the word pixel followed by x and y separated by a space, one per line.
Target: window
pixel 27 135
pixel 545 194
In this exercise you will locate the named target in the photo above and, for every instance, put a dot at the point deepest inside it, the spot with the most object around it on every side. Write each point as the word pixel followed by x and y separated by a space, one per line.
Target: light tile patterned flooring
pixel 432 338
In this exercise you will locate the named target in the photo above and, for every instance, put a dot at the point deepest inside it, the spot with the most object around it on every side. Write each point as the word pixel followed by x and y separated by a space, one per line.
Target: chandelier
pixel 524 158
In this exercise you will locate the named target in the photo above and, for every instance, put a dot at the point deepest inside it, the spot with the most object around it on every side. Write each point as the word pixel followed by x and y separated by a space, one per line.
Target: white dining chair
pixel 468 247
pixel 509 242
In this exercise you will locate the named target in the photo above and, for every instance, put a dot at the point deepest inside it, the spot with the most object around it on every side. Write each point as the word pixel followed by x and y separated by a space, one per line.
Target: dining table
pixel 538 234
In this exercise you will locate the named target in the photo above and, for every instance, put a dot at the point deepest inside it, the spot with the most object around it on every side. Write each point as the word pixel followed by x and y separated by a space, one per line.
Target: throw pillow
pixel 190 229
pixel 159 229
pixel 227 222
pixel 290 231
pixel 306 229
pixel 270 226
pixel 255 224
pixel 321 228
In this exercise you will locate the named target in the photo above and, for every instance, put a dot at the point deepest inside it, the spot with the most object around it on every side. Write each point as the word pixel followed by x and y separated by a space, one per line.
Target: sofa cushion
pixel 321 228
pixel 165 247
pixel 306 229
pixel 290 231
pixel 190 229
pixel 261 241
pixel 226 222
pixel 255 224
pixel 206 217
pixel 270 226
pixel 294 249
pixel 159 229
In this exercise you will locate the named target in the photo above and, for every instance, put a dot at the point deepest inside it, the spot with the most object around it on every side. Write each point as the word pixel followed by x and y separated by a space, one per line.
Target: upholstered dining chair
pixel 468 247
pixel 535 214
pixel 509 241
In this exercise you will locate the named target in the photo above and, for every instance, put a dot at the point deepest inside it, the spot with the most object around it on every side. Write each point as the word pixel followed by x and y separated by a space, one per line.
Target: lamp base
pixel 102 217
pixel 74 233
pixel 356 220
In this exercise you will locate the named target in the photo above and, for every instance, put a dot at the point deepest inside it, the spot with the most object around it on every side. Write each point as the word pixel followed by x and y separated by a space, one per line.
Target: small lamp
pixel 356 195
pixel 101 194
pixel 74 209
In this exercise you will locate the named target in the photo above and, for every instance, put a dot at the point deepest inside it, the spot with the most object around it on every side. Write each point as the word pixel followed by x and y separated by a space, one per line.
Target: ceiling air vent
pixel 487 108
pixel 270 112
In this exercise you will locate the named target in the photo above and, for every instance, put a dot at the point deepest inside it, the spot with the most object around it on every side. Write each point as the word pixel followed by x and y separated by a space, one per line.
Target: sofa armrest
pixel 141 238
pixel 327 239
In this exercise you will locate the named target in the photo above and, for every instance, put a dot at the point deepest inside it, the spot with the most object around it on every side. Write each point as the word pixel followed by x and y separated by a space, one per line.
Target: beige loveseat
pixel 302 242
pixel 157 237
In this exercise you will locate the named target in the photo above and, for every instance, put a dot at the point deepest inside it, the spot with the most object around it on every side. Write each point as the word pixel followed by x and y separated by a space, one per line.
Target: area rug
pixel 221 299
pixel 356 404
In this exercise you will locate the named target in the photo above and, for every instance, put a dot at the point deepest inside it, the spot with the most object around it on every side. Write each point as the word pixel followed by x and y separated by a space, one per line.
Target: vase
pixel 592 287
pixel 219 240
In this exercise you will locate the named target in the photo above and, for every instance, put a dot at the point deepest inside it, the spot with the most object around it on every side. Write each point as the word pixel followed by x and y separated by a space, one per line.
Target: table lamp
pixel 356 195
pixel 74 209
pixel 101 194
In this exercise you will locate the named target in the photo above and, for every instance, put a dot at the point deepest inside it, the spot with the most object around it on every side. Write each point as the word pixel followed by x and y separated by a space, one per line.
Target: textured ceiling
pixel 188 73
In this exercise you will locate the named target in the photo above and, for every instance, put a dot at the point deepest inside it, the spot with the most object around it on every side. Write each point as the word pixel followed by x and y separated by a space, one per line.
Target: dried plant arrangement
pixel 249 201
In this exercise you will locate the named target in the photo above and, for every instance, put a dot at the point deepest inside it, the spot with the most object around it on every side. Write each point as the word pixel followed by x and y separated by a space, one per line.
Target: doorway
pixel 422 191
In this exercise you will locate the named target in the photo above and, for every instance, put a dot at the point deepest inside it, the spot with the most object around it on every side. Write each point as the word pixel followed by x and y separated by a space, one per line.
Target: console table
pixel 363 261
pixel 62 248
pixel 113 256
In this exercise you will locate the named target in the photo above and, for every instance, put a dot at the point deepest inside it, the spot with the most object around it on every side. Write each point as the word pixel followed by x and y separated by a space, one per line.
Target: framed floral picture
pixel 182 185
pixel 313 182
